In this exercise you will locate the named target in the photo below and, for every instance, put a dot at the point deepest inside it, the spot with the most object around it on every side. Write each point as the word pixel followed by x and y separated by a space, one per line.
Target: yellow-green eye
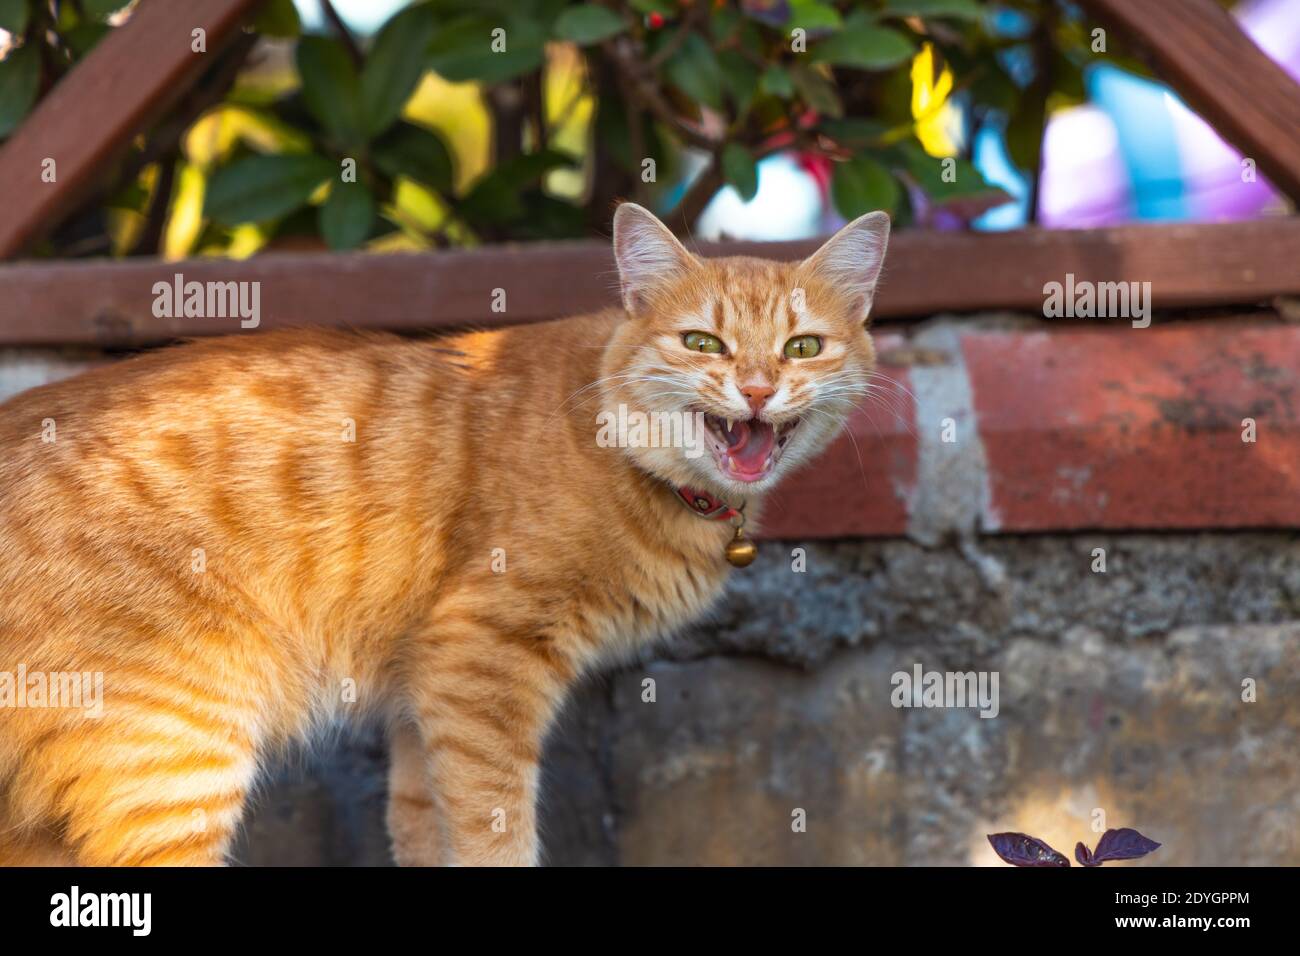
pixel 803 346
pixel 704 342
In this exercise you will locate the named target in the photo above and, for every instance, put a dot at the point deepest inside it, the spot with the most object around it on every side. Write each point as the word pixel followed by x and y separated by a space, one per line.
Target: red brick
pixel 861 485
pixel 1123 428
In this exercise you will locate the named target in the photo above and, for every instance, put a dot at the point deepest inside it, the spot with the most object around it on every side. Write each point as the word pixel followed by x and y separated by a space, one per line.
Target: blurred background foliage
pixel 459 122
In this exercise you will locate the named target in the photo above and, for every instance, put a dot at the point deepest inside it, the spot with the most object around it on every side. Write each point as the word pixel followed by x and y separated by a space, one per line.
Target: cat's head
pixel 774 355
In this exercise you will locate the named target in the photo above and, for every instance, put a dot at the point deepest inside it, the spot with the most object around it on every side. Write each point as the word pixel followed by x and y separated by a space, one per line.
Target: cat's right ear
pixel 648 254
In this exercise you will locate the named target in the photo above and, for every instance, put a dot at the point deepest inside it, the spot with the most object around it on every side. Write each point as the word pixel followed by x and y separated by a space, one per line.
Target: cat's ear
pixel 647 252
pixel 850 260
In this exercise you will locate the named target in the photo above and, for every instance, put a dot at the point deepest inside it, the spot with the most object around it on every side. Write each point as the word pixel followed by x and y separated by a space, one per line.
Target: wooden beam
pixel 124 84
pixel 111 303
pixel 1208 59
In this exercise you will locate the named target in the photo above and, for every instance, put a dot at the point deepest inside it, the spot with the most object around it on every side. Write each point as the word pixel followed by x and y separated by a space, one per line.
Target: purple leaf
pixel 1084 856
pixel 1122 844
pixel 1019 849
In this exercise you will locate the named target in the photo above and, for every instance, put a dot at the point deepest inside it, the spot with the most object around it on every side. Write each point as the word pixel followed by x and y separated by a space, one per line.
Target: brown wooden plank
pixel 112 303
pixel 1205 56
pixel 126 82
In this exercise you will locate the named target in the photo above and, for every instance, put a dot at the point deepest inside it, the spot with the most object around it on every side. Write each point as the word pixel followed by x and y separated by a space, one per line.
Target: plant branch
pixel 159 205
pixel 646 91
pixel 669 49
pixel 1039 92
pixel 341 28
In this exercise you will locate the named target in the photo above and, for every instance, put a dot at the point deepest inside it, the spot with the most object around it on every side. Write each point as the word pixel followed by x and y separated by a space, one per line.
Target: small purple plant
pixel 1020 849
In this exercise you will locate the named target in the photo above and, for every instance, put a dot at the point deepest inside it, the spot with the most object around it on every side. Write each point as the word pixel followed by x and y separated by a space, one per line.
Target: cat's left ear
pixel 647 252
pixel 850 260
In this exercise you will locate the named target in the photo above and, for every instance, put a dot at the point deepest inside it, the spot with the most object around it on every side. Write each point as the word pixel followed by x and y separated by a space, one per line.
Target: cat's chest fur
pixel 613 580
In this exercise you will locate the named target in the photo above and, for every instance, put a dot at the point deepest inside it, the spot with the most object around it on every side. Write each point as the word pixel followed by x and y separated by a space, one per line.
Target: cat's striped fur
pixel 253 536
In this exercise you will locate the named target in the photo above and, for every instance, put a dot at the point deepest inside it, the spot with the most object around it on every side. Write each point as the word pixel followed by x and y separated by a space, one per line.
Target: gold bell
pixel 741 552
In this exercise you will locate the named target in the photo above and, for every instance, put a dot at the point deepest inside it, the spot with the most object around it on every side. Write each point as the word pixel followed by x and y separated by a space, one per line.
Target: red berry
pixel 656 21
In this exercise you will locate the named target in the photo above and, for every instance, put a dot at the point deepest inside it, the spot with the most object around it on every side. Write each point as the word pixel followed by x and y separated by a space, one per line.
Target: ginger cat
pixel 251 537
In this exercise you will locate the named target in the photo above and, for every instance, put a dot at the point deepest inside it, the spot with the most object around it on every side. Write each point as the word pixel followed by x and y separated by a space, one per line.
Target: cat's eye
pixel 803 346
pixel 703 342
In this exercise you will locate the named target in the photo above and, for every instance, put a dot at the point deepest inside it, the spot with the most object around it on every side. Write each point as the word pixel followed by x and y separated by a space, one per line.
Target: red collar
pixel 705 505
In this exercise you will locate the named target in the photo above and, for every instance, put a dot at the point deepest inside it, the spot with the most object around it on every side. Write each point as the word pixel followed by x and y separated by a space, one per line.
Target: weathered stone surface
pixel 1120 694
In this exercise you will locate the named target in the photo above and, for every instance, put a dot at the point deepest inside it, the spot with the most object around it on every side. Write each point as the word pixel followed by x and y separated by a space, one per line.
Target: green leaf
pixel 694 70
pixel 463 50
pixel 13 16
pixel 394 66
pixel 944 179
pixel 417 153
pixel 20 77
pixel 776 82
pixel 816 91
pixel 330 87
pixel 258 188
pixel 955 9
pixel 864 48
pixel 587 24
pixel 855 133
pixel 1067 83
pixel 614 133
pixel 993 87
pixel 82 38
pixel 740 170
pixel 102 9
pixel 1025 135
pixel 740 77
pixel 545 217
pixel 813 15
pixel 133 197
pixel 347 215
pixel 863 185
pixel 498 196
pixel 279 18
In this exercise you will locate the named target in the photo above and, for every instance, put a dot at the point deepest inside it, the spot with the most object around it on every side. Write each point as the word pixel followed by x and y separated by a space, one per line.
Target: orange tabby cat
pixel 248 538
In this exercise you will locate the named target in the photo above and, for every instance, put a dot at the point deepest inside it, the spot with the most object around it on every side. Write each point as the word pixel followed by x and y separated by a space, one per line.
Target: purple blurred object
pixel 1087 182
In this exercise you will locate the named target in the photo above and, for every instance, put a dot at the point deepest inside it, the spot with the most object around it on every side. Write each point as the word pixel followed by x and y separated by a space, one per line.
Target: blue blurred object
pixel 1147 140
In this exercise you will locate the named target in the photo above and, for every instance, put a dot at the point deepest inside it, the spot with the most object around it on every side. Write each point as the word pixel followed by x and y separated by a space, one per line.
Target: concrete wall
pixel 1119 692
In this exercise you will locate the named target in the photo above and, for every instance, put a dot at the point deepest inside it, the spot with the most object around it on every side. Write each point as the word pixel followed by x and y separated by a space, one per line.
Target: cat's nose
pixel 757 394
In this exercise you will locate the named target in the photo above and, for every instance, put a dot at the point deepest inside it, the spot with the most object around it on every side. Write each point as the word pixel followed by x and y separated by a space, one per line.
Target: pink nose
pixel 757 396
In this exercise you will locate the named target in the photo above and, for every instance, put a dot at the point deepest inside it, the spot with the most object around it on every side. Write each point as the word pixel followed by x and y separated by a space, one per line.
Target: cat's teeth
pixel 729 424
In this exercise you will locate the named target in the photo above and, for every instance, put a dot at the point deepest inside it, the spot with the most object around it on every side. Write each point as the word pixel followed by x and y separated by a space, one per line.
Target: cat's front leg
pixel 483 710
pixel 488 818
pixel 485 771
pixel 486 682
pixel 492 815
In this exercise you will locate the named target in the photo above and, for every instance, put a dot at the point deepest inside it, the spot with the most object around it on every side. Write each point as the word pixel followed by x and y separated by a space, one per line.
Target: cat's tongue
pixel 748 445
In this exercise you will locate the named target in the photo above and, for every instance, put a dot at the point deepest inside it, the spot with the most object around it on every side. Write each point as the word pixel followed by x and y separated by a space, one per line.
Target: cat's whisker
pixel 627 374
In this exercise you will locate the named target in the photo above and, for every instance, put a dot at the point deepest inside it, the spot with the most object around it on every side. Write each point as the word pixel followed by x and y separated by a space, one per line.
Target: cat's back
pixel 261 388
pixel 240 446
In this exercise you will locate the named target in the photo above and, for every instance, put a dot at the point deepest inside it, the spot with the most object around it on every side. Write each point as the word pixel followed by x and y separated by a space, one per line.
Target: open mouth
pixel 747 450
